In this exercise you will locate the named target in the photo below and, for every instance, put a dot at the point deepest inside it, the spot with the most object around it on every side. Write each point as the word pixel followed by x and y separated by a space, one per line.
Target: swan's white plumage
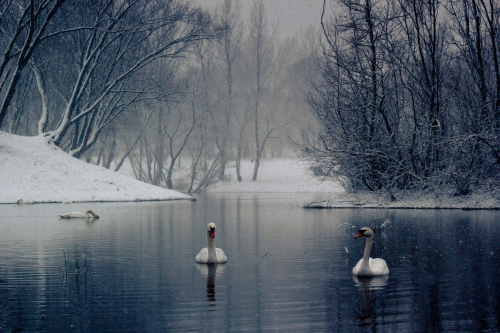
pixel 202 256
pixel 369 266
pixel 211 254
pixel 79 214
pixel 377 267
pixel 22 202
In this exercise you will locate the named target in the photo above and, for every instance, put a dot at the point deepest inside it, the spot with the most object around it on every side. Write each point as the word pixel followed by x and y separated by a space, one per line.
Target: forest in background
pixel 403 93
pixel 177 91
pixel 408 95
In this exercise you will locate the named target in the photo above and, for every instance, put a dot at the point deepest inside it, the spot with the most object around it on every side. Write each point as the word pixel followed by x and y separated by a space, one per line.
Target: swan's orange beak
pixel 212 233
pixel 360 234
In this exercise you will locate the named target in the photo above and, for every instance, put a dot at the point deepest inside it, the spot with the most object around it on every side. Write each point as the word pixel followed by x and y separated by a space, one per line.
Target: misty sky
pixel 291 15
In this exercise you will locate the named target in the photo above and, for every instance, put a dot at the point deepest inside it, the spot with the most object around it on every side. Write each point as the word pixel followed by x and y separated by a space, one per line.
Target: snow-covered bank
pixel 276 175
pixel 479 198
pixel 33 170
pixel 291 175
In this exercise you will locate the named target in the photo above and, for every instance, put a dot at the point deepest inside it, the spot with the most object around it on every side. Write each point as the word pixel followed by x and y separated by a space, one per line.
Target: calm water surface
pixel 134 270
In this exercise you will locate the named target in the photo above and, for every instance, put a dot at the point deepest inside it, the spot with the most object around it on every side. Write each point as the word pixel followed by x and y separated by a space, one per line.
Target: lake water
pixel 288 270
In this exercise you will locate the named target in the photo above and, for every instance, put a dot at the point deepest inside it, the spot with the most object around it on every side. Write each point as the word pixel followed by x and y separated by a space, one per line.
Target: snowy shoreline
pixel 478 199
pixel 36 171
pixel 33 170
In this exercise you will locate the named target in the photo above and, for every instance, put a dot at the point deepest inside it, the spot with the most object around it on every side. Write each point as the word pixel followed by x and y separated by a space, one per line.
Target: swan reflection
pixel 90 220
pixel 211 271
pixel 366 284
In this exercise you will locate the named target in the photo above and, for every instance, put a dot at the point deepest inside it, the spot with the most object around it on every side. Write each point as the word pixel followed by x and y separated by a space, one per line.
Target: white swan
pixel 368 266
pixel 22 202
pixel 79 215
pixel 210 254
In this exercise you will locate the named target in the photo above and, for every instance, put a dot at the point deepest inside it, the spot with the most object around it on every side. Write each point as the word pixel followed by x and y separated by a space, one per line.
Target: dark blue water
pixel 133 270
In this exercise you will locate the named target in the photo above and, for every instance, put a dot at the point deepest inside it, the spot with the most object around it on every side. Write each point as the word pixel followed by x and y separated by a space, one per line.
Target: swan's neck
pixel 212 257
pixel 368 248
pixel 89 212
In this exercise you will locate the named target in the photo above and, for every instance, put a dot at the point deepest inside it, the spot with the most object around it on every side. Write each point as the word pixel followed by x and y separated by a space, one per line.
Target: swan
pixel 210 254
pixel 22 202
pixel 78 214
pixel 369 266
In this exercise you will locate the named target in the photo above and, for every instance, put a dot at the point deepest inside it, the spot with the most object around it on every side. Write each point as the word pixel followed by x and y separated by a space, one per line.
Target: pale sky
pixel 292 15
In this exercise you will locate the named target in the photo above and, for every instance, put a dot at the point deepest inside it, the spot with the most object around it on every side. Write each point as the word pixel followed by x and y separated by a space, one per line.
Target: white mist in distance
pixel 291 16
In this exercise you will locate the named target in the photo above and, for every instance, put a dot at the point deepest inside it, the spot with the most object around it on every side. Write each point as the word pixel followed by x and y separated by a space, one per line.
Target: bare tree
pixel 180 122
pixel 407 97
pixel 242 119
pixel 25 29
pixel 132 145
pixel 425 27
pixel 120 41
pixel 230 49
pixel 260 49
pixel 204 166
pixel 352 101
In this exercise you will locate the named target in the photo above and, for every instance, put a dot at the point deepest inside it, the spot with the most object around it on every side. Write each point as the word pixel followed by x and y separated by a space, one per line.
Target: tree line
pixel 177 91
pixel 408 94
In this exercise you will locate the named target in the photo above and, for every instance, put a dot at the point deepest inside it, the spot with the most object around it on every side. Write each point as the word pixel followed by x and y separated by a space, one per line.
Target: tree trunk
pixel 101 154
pixel 170 172
pixel 32 40
pixel 159 155
pixel 112 149
pixel 42 123
pixel 238 163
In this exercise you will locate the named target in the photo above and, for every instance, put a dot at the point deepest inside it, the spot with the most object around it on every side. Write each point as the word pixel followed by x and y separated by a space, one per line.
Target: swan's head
pixel 90 211
pixel 367 232
pixel 211 229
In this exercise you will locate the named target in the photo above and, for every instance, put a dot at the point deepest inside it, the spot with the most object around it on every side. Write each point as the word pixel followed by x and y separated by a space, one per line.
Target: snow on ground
pixel 276 175
pixel 479 198
pixel 33 170
pixel 291 175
